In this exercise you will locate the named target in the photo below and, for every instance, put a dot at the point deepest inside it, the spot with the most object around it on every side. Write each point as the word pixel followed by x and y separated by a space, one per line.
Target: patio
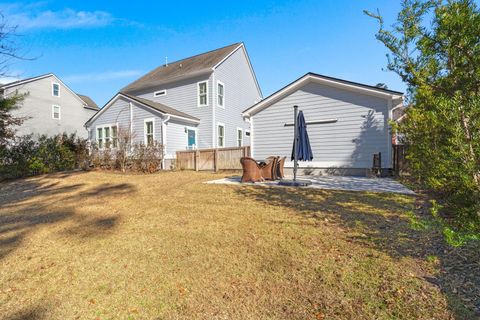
pixel 345 183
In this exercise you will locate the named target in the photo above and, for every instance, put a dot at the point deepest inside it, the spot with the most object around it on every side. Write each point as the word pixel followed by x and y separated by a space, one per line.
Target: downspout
pixel 214 131
pixel 164 139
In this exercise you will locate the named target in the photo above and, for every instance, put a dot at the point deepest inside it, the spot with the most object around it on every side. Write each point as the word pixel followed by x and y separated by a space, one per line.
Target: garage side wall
pixel 360 130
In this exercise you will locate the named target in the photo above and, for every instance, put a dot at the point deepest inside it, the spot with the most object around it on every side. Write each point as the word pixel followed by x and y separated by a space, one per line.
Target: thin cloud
pixel 35 17
pixel 102 76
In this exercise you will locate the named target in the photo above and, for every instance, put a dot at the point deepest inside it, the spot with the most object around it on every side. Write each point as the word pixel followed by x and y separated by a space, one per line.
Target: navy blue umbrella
pixel 304 150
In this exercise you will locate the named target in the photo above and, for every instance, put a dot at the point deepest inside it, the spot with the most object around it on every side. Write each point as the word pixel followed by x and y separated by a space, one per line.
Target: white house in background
pixel 192 103
pixel 351 123
pixel 50 106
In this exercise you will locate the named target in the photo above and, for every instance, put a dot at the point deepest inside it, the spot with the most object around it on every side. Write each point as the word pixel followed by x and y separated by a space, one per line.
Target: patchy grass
pixel 111 246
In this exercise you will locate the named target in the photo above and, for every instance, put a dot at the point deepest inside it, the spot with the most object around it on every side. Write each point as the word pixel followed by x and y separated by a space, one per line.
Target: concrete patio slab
pixel 332 183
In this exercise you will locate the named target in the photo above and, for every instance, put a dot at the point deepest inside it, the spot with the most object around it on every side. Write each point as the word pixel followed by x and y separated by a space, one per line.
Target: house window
pixel 239 137
pixel 55 89
pixel 100 138
pixel 202 94
pixel 149 136
pixel 56 112
pixel 106 134
pixel 114 136
pixel 220 94
pixel 160 93
pixel 221 135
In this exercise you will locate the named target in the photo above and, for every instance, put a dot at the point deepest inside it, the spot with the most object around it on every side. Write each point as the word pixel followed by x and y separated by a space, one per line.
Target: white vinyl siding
pixel 360 130
pixel 240 93
pixel 202 92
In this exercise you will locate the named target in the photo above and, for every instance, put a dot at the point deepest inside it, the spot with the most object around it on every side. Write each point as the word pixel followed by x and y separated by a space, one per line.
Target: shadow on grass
pixel 28 203
pixel 379 221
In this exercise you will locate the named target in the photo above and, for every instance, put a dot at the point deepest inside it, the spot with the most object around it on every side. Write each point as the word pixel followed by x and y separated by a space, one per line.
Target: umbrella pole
pixel 295 133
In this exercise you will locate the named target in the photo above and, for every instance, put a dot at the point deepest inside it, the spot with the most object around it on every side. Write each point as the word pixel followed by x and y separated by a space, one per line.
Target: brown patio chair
pixel 251 170
pixel 269 170
pixel 280 164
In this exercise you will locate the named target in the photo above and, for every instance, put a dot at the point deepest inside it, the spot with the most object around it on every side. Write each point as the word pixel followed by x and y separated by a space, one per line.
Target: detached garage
pixel 347 123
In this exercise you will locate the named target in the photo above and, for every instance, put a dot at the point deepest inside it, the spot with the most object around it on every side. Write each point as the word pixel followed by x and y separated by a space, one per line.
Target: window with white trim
pixel 160 93
pixel 56 112
pixel 114 136
pixel 55 89
pixel 100 138
pixel 220 94
pixel 221 135
pixel 202 92
pixel 239 137
pixel 107 136
pixel 149 135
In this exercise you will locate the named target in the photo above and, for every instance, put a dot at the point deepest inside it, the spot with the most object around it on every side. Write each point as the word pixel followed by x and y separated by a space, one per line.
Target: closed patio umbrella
pixel 301 148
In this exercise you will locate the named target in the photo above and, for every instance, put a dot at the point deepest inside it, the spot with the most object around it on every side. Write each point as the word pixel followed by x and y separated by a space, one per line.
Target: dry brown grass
pixel 112 246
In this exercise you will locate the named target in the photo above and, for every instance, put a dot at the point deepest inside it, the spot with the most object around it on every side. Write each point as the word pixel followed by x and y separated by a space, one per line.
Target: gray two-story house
pixel 49 106
pixel 192 103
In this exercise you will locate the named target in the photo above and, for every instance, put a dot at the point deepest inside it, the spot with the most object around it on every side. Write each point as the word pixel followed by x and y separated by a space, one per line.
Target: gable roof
pixel 90 103
pixel 182 69
pixel 322 79
pixel 27 80
pixel 147 103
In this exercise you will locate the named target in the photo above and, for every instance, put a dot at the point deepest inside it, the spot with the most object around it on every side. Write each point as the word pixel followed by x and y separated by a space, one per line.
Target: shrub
pixel 26 156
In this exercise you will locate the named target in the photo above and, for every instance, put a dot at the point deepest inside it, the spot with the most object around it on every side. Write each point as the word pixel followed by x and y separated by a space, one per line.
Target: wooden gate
pixel 212 159
pixel 399 160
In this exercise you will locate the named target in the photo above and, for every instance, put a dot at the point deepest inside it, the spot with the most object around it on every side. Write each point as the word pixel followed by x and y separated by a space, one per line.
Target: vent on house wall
pixel 160 93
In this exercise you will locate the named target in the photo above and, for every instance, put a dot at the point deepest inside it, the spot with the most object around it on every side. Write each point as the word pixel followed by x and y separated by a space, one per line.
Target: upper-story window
pixel 55 89
pixel 160 93
pixel 220 94
pixel 56 112
pixel 202 91
pixel 149 132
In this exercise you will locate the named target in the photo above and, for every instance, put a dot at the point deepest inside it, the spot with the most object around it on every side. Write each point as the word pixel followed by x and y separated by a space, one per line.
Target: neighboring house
pixel 398 115
pixel 192 103
pixel 350 123
pixel 50 106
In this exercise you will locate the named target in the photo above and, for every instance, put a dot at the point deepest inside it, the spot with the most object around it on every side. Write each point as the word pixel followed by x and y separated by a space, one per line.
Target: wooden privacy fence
pixel 399 160
pixel 212 159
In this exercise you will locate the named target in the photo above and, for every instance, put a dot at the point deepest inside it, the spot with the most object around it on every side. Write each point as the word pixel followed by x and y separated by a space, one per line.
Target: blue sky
pixel 97 47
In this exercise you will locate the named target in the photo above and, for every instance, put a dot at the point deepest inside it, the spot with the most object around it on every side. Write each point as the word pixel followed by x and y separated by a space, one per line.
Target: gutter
pixel 164 139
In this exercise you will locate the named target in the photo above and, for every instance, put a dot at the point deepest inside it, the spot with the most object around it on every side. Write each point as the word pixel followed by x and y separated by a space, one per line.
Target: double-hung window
pixel 220 94
pixel 55 89
pixel 56 112
pixel 107 136
pixel 149 132
pixel 100 138
pixel 114 136
pixel 202 91
pixel 239 137
pixel 221 135
pixel 106 133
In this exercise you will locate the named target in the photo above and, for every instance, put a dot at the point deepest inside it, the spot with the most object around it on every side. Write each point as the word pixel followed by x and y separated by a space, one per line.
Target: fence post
pixel 196 158
pixel 215 160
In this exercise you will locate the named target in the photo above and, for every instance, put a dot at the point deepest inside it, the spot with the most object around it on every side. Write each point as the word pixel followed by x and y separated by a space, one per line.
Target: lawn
pixel 166 246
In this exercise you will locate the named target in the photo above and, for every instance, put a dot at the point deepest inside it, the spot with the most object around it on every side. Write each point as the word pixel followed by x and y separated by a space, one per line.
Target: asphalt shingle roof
pixel 196 65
